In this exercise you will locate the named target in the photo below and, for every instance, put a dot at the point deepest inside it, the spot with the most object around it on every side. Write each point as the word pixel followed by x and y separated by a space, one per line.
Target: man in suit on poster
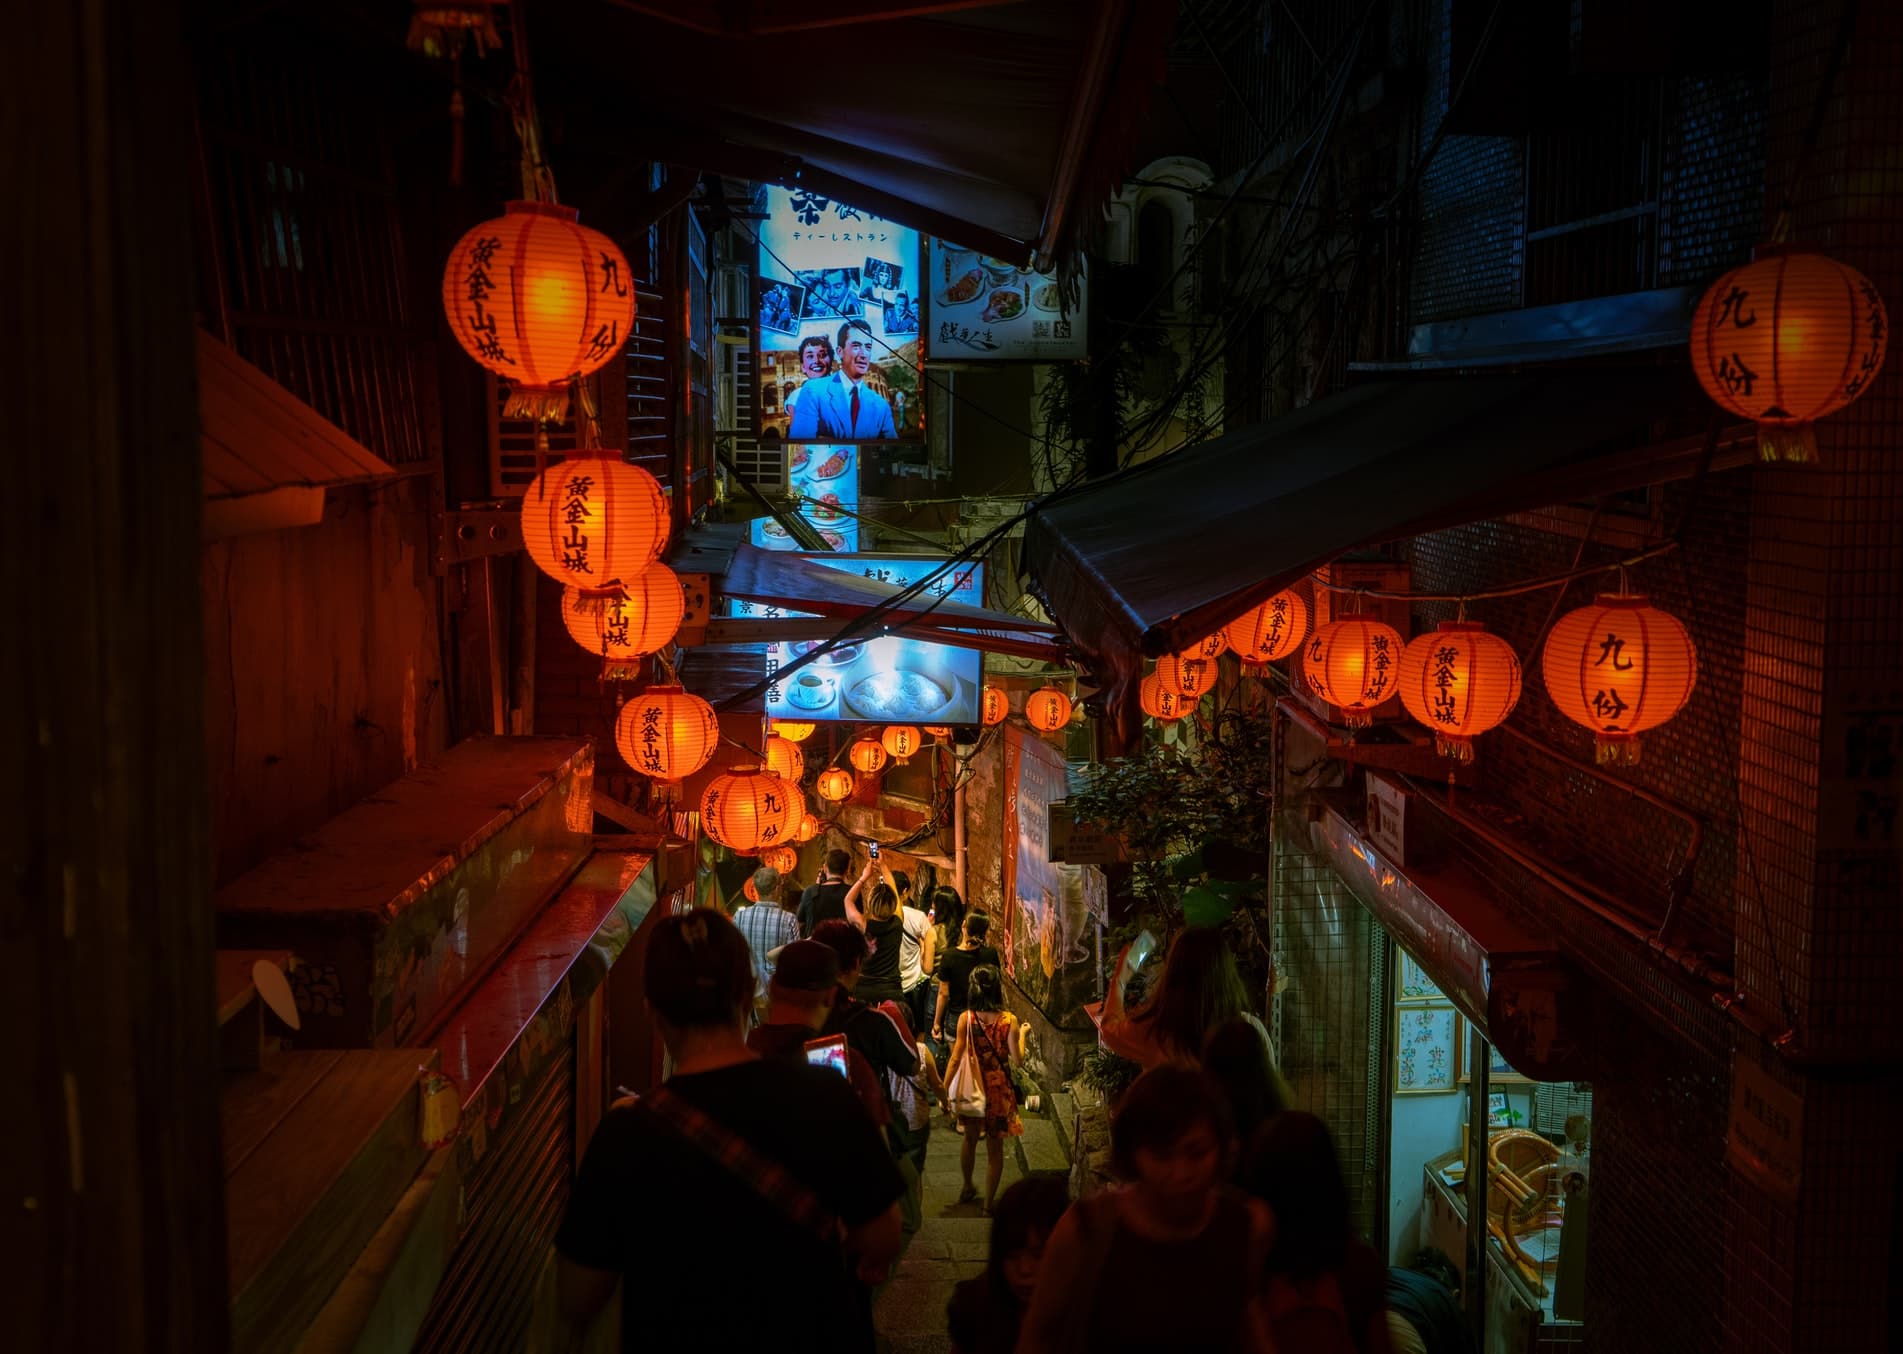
pixel 842 408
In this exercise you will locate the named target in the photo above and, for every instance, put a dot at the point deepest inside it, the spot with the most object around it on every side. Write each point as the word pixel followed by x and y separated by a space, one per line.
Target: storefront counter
pixel 1520 1318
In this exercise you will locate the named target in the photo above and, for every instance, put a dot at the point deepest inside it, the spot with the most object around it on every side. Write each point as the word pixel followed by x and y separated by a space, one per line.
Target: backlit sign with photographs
pixel 988 309
pixel 886 677
pixel 837 313
pixel 826 479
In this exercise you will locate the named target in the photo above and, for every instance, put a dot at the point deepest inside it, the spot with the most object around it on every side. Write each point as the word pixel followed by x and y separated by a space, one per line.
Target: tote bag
pixel 966 1089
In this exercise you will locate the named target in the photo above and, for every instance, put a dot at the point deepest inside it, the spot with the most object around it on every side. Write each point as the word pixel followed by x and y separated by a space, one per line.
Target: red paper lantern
pixel 901 741
pixel 1160 702
pixel 1788 338
pixel 667 733
pixel 866 757
pixel 1459 680
pixel 785 760
pixel 594 521
pixel 1047 709
pixel 793 731
pixel 539 299
pixel 996 706
pixel 1212 646
pixel 1187 674
pixel 624 624
pixel 1619 667
pixel 782 858
pixel 1352 664
pixel 748 808
pixel 1272 631
pixel 834 784
pixel 808 828
pixel 938 730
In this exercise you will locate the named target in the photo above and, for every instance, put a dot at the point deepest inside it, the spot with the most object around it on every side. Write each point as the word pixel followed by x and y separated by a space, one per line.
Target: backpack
pixel 1308 1316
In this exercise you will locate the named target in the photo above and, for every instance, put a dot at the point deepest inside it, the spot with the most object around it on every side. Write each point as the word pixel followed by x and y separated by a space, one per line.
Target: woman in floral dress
pixel 992 1035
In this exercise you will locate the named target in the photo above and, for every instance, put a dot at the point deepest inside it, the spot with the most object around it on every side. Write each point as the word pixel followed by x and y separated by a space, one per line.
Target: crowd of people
pixel 758 1193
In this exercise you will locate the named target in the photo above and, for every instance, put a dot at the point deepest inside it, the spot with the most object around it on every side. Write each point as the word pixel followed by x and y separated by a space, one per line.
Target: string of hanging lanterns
pixel 746 808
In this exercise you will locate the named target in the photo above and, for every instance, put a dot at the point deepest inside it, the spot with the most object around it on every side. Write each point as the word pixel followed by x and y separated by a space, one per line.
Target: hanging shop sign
pixel 836 321
pixel 990 310
pixel 1764 1138
pixel 825 479
pixel 888 679
pixel 1083 843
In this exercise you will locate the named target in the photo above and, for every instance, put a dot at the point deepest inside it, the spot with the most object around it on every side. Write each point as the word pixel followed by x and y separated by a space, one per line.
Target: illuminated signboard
pixel 836 294
pixel 988 310
pixel 891 678
pixel 826 478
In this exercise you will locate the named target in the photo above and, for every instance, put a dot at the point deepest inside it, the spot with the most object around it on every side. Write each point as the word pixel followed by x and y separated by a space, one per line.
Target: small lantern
pixel 626 623
pixel 539 299
pixel 793 731
pixel 1272 631
pixel 1186 674
pixel 1459 681
pixel 1788 338
pixel 1352 664
pixel 1619 667
pixel 782 858
pixel 748 808
pixel 900 741
pixel 996 706
pixel 938 730
pixel 747 890
pixel 785 760
pixel 667 733
pixel 834 784
pixel 1160 702
pixel 808 828
pixel 866 757
pixel 1047 709
pixel 594 521
pixel 1211 647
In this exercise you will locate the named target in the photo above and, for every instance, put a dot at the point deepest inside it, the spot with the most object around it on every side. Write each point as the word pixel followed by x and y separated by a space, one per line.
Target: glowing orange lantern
pixel 938 730
pixel 1047 709
pixel 1788 338
pixel 539 299
pixel 996 706
pixel 1351 663
pixel 747 890
pixel 748 808
pixel 667 733
pixel 866 757
pixel 901 740
pixel 782 858
pixel 1619 667
pixel 834 784
pixel 808 828
pixel 793 731
pixel 594 521
pixel 785 760
pixel 1460 680
pixel 1272 631
pixel 1187 674
pixel 626 623
pixel 1160 702
pixel 1212 646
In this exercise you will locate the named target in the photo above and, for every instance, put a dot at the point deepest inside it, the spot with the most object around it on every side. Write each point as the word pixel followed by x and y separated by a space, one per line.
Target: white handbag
pixel 966 1089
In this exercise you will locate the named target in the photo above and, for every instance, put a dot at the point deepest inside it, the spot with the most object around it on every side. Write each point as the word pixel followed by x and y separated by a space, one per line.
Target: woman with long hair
pixel 989 1034
pixel 1199 989
pixel 1325 1286
pixel 879 979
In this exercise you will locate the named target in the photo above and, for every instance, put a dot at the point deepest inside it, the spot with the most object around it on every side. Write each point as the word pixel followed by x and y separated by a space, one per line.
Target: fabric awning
pixel 1001 126
pixel 268 456
pixel 1154 559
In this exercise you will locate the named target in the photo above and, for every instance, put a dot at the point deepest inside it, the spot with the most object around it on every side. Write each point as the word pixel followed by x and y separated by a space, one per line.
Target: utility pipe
pixel 958 832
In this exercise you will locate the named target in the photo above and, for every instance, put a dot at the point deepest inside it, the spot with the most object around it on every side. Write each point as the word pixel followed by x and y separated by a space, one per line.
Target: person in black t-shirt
pixel 825 898
pixel 954 973
pixel 871 1031
pixel 652 1201
pixel 803 990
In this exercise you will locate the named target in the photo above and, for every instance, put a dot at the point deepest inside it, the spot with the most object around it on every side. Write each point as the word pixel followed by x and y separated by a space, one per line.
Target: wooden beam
pixel 113 1230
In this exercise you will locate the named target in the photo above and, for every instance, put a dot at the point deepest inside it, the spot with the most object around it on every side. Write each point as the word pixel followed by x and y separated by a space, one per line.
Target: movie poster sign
pixel 826 479
pixel 891 678
pixel 989 310
pixel 837 316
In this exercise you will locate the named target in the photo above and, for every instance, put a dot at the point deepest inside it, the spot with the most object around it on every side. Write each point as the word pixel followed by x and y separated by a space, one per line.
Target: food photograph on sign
pixel 891 677
pixel 825 479
pixel 989 309
pixel 837 302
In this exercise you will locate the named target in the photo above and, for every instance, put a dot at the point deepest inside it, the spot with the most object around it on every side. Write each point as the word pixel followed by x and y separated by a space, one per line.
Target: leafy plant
pixel 1107 1073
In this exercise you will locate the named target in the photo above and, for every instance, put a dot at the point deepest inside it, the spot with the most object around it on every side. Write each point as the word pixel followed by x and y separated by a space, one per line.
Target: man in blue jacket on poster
pixel 842 408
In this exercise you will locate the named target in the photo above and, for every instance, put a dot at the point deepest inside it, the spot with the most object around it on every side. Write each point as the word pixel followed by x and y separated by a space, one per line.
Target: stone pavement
pixel 952 1243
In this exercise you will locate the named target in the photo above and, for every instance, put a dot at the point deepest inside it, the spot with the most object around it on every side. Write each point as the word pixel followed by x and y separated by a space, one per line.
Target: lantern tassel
pixel 1616 750
pixel 1795 442
pixel 542 404
pixel 1454 748
pixel 1357 718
